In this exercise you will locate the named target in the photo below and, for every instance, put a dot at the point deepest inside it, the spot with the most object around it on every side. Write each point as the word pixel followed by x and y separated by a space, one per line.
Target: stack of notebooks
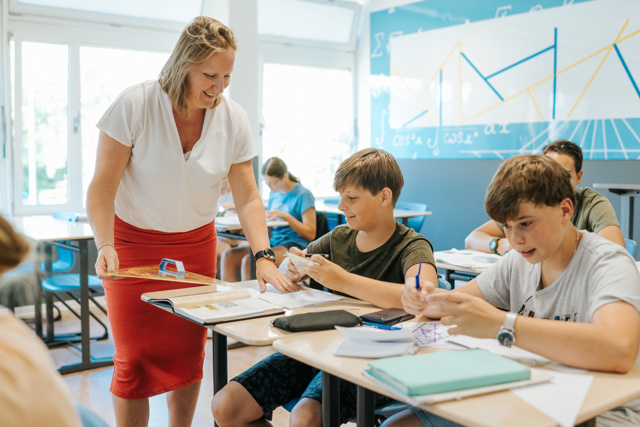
pixel 436 377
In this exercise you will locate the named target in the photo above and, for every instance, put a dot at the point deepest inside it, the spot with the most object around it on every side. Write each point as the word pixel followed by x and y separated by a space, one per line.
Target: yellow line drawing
pixel 527 90
pixel 535 104
pixel 429 113
pixel 597 70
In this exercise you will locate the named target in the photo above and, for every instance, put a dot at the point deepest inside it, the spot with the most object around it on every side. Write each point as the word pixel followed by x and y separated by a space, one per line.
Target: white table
pixel 497 409
pixel 627 193
pixel 402 214
pixel 48 231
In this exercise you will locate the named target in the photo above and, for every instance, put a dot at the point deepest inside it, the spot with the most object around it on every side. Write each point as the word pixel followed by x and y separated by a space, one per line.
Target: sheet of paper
pixel 466 258
pixel 302 298
pixel 560 399
pixel 429 334
pixel 494 346
pixel 374 343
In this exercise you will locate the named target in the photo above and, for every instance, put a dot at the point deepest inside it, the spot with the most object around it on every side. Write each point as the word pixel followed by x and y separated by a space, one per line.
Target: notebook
pixel 431 373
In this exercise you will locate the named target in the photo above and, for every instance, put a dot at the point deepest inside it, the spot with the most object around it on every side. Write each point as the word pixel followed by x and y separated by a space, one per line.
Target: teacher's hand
pixel 107 263
pixel 267 272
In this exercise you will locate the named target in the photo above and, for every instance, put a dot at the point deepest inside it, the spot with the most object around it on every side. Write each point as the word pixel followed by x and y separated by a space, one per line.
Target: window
pixel 307 121
pixel 59 92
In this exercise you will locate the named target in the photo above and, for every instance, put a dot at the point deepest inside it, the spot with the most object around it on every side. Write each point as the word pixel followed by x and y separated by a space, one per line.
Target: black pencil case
pixel 318 321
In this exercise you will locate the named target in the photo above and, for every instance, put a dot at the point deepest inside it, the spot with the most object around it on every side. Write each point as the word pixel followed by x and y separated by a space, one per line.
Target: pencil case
pixel 318 321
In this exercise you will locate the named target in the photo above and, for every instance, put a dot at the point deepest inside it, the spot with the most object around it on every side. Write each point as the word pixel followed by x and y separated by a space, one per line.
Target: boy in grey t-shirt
pixel 571 296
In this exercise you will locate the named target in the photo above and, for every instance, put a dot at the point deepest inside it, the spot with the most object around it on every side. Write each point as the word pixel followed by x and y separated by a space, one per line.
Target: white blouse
pixel 161 189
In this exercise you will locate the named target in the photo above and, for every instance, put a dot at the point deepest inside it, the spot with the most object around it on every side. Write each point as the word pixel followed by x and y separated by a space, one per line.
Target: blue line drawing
pixel 483 77
pixel 521 61
pixel 416 118
pixel 624 64
pixel 555 70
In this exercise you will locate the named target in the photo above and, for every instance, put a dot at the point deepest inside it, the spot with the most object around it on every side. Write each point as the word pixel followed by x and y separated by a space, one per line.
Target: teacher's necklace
pixel 542 283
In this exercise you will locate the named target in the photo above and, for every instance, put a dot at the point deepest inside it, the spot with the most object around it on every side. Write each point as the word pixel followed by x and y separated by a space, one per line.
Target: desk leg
pixel 220 370
pixel 405 221
pixel 88 362
pixel 366 410
pixel 330 400
pixel 44 256
pixel 626 215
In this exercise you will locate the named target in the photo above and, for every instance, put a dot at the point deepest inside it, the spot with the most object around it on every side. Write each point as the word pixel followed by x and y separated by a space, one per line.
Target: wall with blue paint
pixel 454 187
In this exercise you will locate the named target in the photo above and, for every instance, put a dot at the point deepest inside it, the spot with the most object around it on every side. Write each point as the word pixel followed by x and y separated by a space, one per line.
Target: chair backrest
pixel 443 284
pixel 415 222
pixel 332 201
pixel 322 225
pixel 631 246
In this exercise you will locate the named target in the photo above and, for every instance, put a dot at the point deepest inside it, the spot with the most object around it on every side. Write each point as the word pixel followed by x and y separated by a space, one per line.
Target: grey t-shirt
pixel 599 273
pixel 388 263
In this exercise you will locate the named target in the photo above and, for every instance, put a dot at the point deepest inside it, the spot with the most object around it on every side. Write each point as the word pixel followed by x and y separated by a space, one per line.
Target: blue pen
pixel 381 326
pixel 418 276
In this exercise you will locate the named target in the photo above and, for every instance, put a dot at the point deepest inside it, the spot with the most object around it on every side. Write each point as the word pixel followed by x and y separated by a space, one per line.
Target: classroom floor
pixel 91 388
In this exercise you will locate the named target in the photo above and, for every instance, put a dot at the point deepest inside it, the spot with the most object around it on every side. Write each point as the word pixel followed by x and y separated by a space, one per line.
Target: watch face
pixel 493 245
pixel 506 337
pixel 270 254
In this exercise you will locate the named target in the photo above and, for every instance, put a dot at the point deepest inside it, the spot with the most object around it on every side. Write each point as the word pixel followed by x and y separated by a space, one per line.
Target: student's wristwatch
pixel 506 335
pixel 493 245
pixel 266 253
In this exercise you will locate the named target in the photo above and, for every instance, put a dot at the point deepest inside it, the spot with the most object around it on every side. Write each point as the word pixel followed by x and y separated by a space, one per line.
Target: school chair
pixel 333 219
pixel 417 221
pixel 631 246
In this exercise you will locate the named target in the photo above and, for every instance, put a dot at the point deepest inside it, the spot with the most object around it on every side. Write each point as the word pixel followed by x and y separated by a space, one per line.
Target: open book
pixel 207 306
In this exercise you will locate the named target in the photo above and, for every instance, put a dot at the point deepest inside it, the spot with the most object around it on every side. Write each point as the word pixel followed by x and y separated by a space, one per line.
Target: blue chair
pixel 333 219
pixel 631 246
pixel 417 221
pixel 65 286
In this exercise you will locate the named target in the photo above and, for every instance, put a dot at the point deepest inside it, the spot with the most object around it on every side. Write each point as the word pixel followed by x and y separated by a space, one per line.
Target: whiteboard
pixel 468 79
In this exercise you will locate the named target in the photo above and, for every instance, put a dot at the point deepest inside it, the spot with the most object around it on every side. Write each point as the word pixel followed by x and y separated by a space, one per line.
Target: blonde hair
pixel 13 247
pixel 199 40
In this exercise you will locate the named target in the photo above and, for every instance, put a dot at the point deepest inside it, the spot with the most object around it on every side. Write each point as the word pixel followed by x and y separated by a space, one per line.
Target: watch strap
pixel 510 321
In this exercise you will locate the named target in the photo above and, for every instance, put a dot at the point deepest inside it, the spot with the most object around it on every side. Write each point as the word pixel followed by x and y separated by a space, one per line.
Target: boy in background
pixel 570 296
pixel 372 255
pixel 591 211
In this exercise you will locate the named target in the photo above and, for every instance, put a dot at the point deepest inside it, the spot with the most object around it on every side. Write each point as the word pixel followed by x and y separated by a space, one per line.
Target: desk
pixel 456 272
pixel 495 409
pixel 626 192
pixel 226 224
pixel 48 231
pixel 259 332
pixel 402 214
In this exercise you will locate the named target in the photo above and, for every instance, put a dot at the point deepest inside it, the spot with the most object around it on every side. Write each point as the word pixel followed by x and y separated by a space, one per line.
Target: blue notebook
pixel 441 372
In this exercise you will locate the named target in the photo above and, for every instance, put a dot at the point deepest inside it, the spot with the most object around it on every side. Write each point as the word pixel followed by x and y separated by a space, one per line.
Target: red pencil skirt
pixel 155 351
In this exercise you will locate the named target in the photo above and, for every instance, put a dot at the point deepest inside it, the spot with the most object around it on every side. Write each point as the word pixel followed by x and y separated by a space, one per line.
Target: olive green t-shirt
pixel 389 263
pixel 593 211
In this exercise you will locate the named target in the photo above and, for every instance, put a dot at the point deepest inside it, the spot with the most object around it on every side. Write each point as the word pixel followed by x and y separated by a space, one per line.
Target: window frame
pixel 45 30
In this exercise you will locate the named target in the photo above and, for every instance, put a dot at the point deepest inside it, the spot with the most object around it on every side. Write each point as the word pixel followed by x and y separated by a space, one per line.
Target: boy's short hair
pixel 371 169
pixel 527 178
pixel 571 149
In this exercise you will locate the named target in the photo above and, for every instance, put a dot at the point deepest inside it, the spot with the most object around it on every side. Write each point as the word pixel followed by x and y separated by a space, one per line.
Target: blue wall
pixel 454 191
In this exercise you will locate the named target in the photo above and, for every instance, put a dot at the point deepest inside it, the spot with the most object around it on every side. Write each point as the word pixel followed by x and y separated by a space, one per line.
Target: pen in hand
pixel 418 276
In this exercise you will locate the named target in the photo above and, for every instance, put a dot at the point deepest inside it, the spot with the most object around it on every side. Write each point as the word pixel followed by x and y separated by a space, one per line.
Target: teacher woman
pixel 164 147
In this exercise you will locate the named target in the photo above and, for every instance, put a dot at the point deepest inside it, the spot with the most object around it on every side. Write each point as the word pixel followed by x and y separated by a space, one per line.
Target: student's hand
pixel 277 215
pixel 472 315
pixel 504 246
pixel 292 272
pixel 327 273
pixel 107 263
pixel 413 300
pixel 267 272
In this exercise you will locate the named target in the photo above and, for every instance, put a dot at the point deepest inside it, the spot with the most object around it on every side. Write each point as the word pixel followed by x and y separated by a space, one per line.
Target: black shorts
pixel 278 379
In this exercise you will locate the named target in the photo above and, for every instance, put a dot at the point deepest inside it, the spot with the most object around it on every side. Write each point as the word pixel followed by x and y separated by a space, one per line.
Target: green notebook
pixel 430 373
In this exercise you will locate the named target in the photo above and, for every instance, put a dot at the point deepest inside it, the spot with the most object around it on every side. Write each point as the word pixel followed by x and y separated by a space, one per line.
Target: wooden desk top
pixel 47 228
pixel 258 331
pixel 503 408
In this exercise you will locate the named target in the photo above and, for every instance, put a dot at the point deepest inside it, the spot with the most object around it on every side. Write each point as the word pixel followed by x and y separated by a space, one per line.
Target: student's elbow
pixel 625 358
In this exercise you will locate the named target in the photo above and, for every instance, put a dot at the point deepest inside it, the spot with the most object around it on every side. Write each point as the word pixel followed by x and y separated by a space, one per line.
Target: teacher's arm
pixel 254 224
pixel 111 160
